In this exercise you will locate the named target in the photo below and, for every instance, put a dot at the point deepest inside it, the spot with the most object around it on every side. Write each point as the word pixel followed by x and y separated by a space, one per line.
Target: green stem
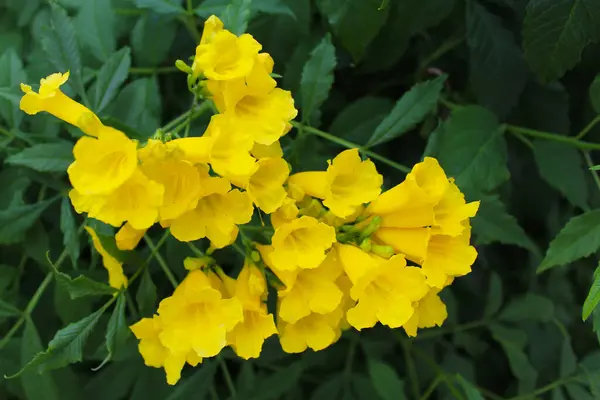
pixel 429 391
pixel 547 388
pixel 141 269
pixel 5 132
pixel 195 249
pixel 410 366
pixel 445 47
pixel 227 375
pixel 588 127
pixel 350 145
pixel 554 137
pixel 432 333
pixel 590 164
pixel 161 261
pixel 152 71
pixel 204 107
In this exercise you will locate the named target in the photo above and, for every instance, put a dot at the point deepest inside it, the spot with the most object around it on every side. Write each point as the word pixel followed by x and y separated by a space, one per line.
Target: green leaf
pixel 593 297
pixel 196 386
pixel 82 286
pixel 110 77
pixel 68 227
pixel 385 380
pixel 162 6
pixel 494 224
pixel 36 386
pixel 594 93
pixel 8 310
pixel 556 31
pixel 139 105
pixel 472 149
pixel 329 389
pixel 316 81
pixel 61 48
pixel 568 176
pixel 95 23
pixel 568 359
pixel 495 296
pixel 354 22
pixel 10 95
pixel 152 38
pixel 531 307
pixel 409 110
pixel 579 238
pixel 578 392
pixel 358 120
pixel 117 330
pixel 217 7
pixel 236 16
pixel 497 69
pixel 67 345
pixel 146 296
pixel 16 220
pixel 470 390
pixel 518 362
pixel 45 157
pixel 275 385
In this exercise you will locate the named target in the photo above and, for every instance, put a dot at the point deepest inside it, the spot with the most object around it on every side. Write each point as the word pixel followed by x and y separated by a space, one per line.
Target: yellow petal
pixel 116 277
pixel 128 237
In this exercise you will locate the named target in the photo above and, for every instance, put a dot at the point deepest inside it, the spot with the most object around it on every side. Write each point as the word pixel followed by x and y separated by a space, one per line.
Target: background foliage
pixel 502 92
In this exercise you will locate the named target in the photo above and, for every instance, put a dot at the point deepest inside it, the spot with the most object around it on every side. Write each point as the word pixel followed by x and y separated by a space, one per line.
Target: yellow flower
pixel 104 163
pixel 251 286
pixel 315 331
pixel 385 289
pixel 221 55
pixel 197 318
pixel 128 237
pixel 272 150
pixel 287 212
pixel 180 178
pixel 195 150
pixel 429 312
pixel 52 100
pixel 116 277
pixel 345 186
pixel 136 201
pixel 216 215
pixel 155 354
pixel 301 243
pixel 265 185
pixel 255 103
pixel 212 26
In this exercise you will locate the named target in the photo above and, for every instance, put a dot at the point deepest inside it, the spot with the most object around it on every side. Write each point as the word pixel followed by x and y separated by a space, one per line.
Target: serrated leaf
pixel 531 307
pixel 385 380
pixel 494 224
pixel 594 93
pixel 68 227
pixel 494 296
pixel 556 31
pixel 152 38
pixel 354 22
pixel 579 238
pixel 10 95
pixel 146 295
pixel 95 25
pixel 67 345
pixel 471 391
pixel 217 7
pixel 110 77
pixel 317 78
pixel 568 176
pixel 472 149
pixel 17 219
pixel 36 386
pixel 236 16
pixel 8 310
pixel 45 157
pixel 275 385
pixel 497 68
pixel 117 330
pixel 409 110
pixel 162 6
pixel 82 286
pixel 593 297
pixel 196 386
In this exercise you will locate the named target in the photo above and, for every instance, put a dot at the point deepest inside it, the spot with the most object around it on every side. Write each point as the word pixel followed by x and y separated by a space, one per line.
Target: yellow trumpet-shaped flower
pixel 301 243
pixel 315 331
pixel 272 150
pixel 385 289
pixel 287 212
pixel 212 26
pixel 136 201
pixel 51 99
pixel 348 183
pixel 116 277
pixel 265 185
pixel 104 163
pixel 429 312
pixel 128 237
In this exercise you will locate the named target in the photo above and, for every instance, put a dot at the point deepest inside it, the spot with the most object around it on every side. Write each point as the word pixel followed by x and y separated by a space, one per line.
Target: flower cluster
pixel 339 253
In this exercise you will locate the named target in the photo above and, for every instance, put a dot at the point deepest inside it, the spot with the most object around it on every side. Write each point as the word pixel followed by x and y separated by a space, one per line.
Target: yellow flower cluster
pixel 338 250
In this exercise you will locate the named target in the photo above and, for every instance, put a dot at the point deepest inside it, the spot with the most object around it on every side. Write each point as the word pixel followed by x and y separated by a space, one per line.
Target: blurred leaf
pixel 595 93
pixel 275 385
pixel 470 390
pixel 568 359
pixel 472 149
pixel 531 307
pixel 580 237
pixel 146 296
pixel 593 297
pixel 117 330
pixel 12 74
pixel 16 220
pixel 197 385
pixel 139 105
pixel 236 16
pixel 316 81
pixel 357 121
pixel 36 386
pixel 354 22
pixel 68 226
pixel 596 322
pixel 494 295
pixel 385 380
pixel 568 176
pixel 329 389
pixel 555 33
pixel 246 378
pixel 497 69
pixel 110 77
pixel 162 6
pixel 217 7
pixel 409 110
pixel 578 392
pixel 8 310
pixel 152 38
pixel 45 157
pixel 519 364
pixel 95 24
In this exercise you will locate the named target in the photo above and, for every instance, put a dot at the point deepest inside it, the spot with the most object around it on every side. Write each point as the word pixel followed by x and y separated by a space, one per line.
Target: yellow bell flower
pixel 52 100
pixel 216 215
pixel 272 150
pixel 265 185
pixel 301 243
pixel 212 26
pixel 385 289
pixel 287 212
pixel 155 354
pixel 104 163
pixel 128 237
pixel 429 312
pixel 197 318
pixel 116 277
pixel 315 331
pixel 136 201
pixel 348 183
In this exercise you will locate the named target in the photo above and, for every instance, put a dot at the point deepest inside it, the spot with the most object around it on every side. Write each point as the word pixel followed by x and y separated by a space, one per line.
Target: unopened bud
pixel 366 245
pixel 183 67
pixel 382 251
pixel 372 227
pixel 255 256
